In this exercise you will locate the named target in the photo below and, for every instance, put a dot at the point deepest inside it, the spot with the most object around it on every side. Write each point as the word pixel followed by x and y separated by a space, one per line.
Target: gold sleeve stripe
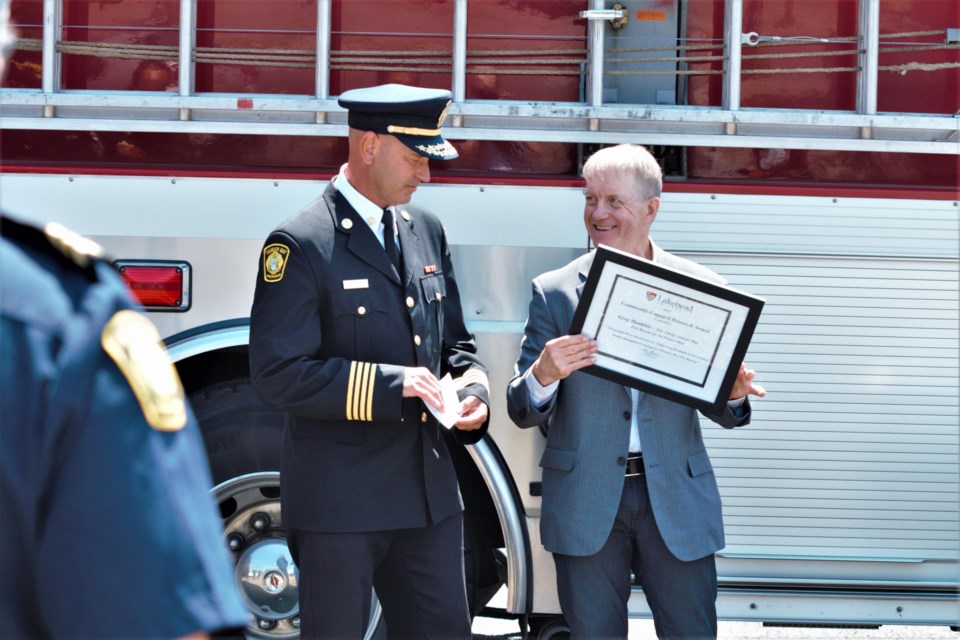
pixel 473 376
pixel 373 377
pixel 361 393
pixel 360 385
pixel 353 372
pixel 362 413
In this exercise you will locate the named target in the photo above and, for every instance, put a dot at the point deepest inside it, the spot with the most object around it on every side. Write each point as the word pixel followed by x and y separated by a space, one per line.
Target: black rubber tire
pixel 549 629
pixel 241 432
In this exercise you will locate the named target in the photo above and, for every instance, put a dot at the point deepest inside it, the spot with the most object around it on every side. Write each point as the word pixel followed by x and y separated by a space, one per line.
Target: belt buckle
pixel 638 473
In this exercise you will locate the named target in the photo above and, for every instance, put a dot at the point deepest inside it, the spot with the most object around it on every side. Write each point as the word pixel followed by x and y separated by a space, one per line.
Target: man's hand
pixel 744 384
pixel 419 382
pixel 473 413
pixel 562 356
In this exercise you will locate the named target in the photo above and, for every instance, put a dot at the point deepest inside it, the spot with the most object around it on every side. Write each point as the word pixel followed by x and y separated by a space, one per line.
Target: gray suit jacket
pixel 587 424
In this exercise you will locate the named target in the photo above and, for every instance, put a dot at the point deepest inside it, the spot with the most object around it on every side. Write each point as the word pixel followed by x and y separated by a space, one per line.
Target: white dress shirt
pixel 371 213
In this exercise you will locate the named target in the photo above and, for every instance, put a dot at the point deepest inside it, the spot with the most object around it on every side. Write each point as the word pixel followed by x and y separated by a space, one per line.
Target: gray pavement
pixel 495 629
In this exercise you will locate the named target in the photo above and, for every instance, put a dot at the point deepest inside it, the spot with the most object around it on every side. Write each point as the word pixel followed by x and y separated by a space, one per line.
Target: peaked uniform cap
pixel 413 115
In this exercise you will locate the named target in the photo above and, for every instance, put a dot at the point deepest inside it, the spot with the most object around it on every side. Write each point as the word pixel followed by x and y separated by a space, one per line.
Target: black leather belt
pixel 635 465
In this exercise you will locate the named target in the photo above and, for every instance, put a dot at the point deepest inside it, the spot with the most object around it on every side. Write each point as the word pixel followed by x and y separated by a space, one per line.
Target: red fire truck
pixel 811 156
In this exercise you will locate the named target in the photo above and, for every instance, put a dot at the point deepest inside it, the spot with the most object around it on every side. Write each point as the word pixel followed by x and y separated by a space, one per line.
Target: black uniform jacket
pixel 331 330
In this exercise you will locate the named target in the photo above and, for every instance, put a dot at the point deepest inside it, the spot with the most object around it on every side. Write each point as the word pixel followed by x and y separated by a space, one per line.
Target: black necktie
pixel 389 241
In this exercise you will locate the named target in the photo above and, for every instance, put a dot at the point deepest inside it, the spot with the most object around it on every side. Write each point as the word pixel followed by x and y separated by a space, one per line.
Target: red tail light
pixel 158 285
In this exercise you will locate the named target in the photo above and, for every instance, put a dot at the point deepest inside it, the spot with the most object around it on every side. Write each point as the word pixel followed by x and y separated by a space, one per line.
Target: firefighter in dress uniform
pixel 356 317
pixel 108 529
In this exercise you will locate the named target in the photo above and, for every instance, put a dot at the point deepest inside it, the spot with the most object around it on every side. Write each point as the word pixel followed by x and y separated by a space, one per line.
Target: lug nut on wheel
pixel 235 542
pixel 259 521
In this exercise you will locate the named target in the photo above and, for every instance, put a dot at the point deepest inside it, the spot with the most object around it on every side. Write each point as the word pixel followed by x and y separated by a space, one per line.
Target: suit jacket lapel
pixel 360 241
pixel 584 271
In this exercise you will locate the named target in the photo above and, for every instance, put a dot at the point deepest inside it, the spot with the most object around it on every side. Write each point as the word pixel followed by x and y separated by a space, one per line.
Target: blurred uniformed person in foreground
pixel 355 317
pixel 107 527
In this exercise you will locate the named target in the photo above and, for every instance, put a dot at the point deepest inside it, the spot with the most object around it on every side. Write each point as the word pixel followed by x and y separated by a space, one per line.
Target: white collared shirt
pixel 371 213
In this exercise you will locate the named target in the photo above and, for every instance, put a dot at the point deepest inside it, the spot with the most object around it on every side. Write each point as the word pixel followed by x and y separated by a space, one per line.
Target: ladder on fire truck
pixel 591 121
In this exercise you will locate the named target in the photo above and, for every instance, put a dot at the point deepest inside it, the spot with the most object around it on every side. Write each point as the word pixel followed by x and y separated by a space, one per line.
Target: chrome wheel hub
pixel 267 579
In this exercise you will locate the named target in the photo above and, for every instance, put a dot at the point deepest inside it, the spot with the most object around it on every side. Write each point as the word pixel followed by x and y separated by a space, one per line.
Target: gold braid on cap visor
pixel 412 131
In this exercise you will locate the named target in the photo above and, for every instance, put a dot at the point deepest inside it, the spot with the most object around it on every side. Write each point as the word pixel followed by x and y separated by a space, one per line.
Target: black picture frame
pixel 663 331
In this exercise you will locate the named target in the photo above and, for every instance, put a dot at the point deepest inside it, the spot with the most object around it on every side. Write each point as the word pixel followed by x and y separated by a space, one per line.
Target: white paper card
pixel 451 403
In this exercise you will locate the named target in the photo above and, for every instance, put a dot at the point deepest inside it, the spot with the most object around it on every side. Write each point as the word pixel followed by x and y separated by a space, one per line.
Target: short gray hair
pixel 630 161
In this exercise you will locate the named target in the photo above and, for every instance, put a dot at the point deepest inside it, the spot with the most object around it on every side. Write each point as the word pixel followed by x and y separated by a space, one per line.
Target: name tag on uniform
pixel 362 283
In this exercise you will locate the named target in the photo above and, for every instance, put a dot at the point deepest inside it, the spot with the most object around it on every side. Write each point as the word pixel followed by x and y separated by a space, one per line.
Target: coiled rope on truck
pixel 479 60
pixel 787 41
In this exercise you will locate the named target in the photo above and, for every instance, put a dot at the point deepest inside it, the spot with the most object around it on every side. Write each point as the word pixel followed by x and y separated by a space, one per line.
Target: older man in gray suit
pixel 627 483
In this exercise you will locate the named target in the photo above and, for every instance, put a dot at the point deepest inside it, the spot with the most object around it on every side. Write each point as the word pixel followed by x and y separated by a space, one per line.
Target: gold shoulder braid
pixel 72 245
pixel 133 343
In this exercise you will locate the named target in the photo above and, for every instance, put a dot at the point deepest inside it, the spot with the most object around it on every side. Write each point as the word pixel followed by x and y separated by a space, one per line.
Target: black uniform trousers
pixel 410 569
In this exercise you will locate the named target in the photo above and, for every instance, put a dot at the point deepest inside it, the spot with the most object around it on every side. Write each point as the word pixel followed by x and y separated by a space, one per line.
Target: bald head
pixel 383 169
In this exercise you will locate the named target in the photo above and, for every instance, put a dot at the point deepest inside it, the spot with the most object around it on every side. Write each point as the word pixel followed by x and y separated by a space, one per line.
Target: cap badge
pixel 443 114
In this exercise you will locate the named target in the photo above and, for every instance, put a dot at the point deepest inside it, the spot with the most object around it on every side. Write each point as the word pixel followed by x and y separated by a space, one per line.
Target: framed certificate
pixel 665 332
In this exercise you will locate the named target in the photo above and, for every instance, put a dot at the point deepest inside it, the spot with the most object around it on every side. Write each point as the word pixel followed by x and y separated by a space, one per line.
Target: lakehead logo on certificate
pixel 663 331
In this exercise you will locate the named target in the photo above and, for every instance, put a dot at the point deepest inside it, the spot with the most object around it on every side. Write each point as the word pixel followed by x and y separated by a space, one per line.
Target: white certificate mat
pixel 663 331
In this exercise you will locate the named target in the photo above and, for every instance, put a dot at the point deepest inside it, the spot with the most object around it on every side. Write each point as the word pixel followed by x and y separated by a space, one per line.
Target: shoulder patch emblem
pixel 134 345
pixel 275 261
